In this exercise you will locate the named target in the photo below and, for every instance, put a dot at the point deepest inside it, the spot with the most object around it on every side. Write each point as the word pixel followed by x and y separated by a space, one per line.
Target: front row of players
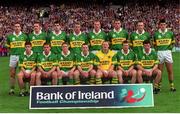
pixel 103 67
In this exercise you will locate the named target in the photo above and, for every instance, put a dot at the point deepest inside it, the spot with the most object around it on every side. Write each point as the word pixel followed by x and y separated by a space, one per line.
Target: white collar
pixel 46 55
pixel 58 33
pixel 38 33
pixel 77 34
pixel 124 52
pixel 162 31
pixel 117 31
pixel 140 33
pixel 64 54
pixel 17 34
pixel 147 53
pixel 96 32
pixel 84 55
pixel 28 55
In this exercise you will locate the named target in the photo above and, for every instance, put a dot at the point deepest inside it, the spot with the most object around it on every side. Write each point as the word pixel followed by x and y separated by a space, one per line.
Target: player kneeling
pixel 85 62
pixel 105 72
pixel 148 66
pixel 66 66
pixel 125 59
pixel 46 63
pixel 27 63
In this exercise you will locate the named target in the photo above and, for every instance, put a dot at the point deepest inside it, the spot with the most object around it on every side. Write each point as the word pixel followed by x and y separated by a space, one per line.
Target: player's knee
pixel 92 72
pixel 99 74
pixel 76 73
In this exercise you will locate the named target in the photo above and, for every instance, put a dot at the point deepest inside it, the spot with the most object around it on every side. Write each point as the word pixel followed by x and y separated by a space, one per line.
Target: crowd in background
pixel 86 12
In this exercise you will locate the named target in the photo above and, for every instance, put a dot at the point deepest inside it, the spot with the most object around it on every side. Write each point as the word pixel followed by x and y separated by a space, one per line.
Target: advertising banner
pixel 91 96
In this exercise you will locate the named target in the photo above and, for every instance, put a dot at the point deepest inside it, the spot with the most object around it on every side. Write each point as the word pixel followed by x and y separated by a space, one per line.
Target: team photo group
pixel 96 57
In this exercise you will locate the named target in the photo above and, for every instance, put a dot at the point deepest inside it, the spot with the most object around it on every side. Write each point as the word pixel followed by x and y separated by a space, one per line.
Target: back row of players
pixel 68 60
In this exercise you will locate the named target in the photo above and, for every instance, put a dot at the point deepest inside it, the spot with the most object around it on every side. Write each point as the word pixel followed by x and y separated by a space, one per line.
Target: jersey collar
pixel 17 34
pixel 84 55
pixel 28 55
pixel 64 54
pixel 38 33
pixel 140 33
pixel 46 55
pixel 124 52
pixel 117 31
pixel 147 53
pixel 162 31
pixel 77 34
pixel 96 32
pixel 58 33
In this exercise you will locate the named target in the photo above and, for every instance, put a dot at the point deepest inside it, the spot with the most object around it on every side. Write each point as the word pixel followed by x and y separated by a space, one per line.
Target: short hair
pixel 17 22
pixel 162 21
pixel 37 22
pixel 65 43
pixel 57 22
pixel 125 42
pixel 85 44
pixel 46 43
pixel 146 42
pixel 140 21
pixel 28 43
pixel 77 23
pixel 116 19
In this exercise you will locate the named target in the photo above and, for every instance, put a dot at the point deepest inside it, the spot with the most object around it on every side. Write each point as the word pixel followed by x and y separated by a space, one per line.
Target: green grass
pixel 166 101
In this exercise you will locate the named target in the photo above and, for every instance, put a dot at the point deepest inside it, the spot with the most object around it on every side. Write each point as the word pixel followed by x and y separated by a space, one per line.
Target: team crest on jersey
pixel 159 36
pixel 136 37
pixel 122 57
pixel 61 58
pixel 93 36
pixel 33 37
pixel 82 59
pixel 25 59
pixel 43 59
pixel 13 39
pixel 53 37
pixel 73 38
pixel 143 57
pixel 114 35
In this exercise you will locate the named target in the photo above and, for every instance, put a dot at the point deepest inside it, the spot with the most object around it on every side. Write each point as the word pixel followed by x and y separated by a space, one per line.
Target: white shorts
pixel 13 61
pixel 165 56
pixel 65 73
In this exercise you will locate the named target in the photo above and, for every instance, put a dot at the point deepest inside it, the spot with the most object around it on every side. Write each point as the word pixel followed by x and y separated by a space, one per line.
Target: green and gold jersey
pixel 28 62
pixel 164 41
pixel 96 39
pixel 85 61
pixel 46 62
pixel 56 41
pixel 137 41
pixel 124 60
pixel 76 42
pixel 104 60
pixel 116 38
pixel 66 62
pixel 16 43
pixel 148 60
pixel 37 41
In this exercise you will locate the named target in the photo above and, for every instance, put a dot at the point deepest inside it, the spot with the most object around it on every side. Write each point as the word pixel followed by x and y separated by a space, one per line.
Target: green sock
pixel 77 82
pixel 60 82
pixel 156 85
pixel 171 84
pixel 70 82
pixel 98 81
pixel 114 80
pixel 92 80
